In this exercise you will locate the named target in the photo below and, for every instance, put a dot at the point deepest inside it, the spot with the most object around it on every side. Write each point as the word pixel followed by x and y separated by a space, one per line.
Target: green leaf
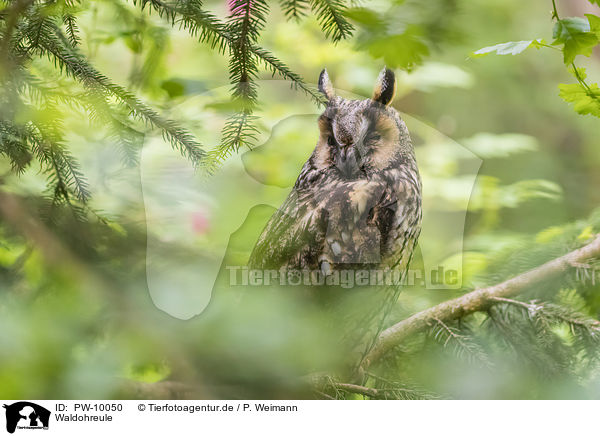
pixel 594 21
pixel 585 100
pixel 402 50
pixel 578 72
pixel 576 36
pixel 365 17
pixel 512 47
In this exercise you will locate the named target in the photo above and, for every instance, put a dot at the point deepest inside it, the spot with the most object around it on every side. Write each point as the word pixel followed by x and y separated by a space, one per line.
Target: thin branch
pixel 278 67
pixel 478 300
pixel 362 390
pixel 330 14
pixel 514 302
pixel 554 10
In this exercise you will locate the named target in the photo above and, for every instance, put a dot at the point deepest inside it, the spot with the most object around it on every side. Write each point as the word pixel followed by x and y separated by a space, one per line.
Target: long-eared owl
pixel 357 201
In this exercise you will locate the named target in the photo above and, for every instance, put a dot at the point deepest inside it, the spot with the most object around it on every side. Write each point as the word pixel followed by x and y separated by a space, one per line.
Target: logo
pixel 26 415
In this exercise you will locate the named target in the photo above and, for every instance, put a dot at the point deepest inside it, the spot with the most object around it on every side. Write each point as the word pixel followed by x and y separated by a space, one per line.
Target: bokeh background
pixel 107 307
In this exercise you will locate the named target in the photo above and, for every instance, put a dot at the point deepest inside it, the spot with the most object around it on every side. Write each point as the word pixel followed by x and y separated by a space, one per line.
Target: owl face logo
pixel 26 415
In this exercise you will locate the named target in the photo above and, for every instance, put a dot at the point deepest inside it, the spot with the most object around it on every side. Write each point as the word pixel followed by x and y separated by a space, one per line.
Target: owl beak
pixel 344 153
pixel 348 163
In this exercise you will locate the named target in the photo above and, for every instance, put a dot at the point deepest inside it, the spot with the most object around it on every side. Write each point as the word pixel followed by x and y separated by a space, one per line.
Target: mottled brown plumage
pixel 357 200
pixel 356 205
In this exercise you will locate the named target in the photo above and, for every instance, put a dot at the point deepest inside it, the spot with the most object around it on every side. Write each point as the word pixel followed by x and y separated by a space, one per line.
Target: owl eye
pixel 375 136
pixel 331 141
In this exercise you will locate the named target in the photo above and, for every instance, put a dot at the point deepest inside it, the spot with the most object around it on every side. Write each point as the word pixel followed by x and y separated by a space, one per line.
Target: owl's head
pixel 358 137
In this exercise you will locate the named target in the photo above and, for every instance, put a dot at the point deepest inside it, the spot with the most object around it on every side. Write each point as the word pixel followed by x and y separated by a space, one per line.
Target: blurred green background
pixel 86 305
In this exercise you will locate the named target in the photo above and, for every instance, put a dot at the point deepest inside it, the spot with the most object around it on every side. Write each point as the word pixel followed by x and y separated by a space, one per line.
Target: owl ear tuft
pixel 385 88
pixel 325 85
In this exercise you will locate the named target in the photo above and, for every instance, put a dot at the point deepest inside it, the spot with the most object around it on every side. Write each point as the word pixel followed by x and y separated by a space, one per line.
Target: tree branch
pixel 13 12
pixel 476 301
pixel 362 390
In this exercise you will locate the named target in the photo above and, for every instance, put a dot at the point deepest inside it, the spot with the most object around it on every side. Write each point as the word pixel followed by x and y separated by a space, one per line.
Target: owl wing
pixel 400 216
pixel 362 224
pixel 336 225
pixel 293 235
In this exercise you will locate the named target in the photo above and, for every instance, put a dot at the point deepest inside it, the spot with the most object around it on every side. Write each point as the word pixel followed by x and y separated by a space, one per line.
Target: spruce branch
pixel 190 16
pixel 393 392
pixel 77 67
pixel 239 35
pixel 546 315
pixel 11 14
pixel 376 387
pixel 244 24
pixel 383 388
pixel 278 67
pixel 330 14
pixel 478 300
pixel 294 9
pixel 379 394
pixel 64 172
pixel 464 345
pixel 72 29
pixel 14 146
pixel 239 131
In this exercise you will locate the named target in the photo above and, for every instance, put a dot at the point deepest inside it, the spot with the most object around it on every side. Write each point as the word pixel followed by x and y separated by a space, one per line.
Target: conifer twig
pixel 476 301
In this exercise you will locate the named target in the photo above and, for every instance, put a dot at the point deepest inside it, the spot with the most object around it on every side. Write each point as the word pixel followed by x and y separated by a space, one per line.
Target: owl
pixel 357 201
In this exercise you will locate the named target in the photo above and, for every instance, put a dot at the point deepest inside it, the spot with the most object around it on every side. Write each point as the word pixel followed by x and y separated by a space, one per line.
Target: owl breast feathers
pixel 357 201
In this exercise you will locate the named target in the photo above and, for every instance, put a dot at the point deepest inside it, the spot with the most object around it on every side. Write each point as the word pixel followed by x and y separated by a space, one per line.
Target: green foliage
pixel 331 17
pixel 512 48
pixel 594 23
pixel 575 35
pixel 39 29
pixel 33 29
pixel 385 46
pixel 294 9
pixel 381 37
pixel 584 97
pixel 79 78
pixel 459 340
pixel 533 332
